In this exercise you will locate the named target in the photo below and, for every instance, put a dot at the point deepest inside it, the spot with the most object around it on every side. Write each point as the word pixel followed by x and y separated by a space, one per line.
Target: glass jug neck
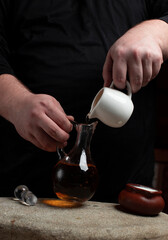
pixel 84 134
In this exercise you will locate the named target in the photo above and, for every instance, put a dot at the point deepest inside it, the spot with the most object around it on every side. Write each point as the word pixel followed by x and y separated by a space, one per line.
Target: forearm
pixel 11 93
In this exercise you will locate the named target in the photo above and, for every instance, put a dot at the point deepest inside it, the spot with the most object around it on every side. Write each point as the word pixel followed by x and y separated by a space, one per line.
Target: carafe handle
pixel 61 153
pixel 129 91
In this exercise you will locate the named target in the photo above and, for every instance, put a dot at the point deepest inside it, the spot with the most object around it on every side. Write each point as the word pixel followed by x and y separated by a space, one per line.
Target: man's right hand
pixel 38 118
pixel 41 120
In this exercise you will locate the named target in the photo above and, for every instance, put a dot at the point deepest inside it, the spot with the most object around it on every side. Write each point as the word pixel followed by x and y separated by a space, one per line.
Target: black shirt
pixel 59 48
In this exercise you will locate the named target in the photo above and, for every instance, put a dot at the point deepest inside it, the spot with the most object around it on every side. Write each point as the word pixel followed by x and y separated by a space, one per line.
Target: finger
pixel 107 70
pixel 147 71
pixel 119 72
pixel 135 73
pixel 53 130
pixel 70 117
pixel 156 65
pixel 60 118
pixel 41 140
pixel 55 112
pixel 33 140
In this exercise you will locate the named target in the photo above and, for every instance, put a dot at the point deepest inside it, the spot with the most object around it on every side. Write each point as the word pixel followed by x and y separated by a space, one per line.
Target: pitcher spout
pixel 90 115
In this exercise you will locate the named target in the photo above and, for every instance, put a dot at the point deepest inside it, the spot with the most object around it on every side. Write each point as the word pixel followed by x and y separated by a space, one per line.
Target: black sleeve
pixel 158 9
pixel 4 49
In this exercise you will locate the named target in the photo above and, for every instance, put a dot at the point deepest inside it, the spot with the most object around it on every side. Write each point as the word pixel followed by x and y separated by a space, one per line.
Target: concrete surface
pixel 56 220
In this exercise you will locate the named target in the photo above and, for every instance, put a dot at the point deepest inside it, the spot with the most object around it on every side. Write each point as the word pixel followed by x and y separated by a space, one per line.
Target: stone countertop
pixel 52 220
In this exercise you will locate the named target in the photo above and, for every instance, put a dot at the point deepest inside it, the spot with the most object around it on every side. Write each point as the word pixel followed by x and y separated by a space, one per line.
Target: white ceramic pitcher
pixel 112 107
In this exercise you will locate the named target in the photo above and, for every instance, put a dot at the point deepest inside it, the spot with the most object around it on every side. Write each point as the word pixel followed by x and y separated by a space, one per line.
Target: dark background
pixel 161 145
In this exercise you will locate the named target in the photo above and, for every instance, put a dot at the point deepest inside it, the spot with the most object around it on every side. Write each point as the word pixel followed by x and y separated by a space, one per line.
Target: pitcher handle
pixel 129 91
pixel 61 153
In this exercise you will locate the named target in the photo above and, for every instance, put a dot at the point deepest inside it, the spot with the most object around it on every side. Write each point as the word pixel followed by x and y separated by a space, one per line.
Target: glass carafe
pixel 75 176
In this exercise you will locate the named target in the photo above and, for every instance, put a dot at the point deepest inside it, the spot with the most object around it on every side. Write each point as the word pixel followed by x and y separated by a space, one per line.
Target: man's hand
pixel 40 119
pixel 137 55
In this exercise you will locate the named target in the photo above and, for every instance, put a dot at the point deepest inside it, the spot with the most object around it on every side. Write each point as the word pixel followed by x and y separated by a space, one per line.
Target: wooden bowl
pixel 141 200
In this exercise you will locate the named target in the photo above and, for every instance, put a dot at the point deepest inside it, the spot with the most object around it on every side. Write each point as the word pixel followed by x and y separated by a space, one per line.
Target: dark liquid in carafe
pixel 73 183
